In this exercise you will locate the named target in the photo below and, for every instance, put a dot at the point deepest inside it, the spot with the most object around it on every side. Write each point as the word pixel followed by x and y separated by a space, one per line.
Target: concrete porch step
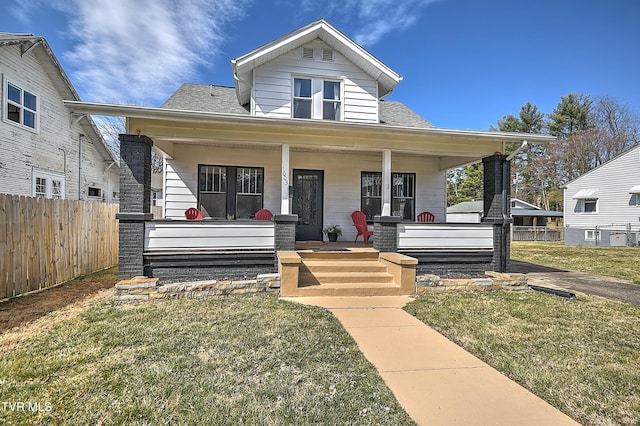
pixel 362 277
pixel 349 289
pixel 331 265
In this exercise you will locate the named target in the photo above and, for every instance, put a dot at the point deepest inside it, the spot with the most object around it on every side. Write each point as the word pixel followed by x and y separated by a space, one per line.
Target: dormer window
pixel 331 101
pixel 316 98
pixel 302 98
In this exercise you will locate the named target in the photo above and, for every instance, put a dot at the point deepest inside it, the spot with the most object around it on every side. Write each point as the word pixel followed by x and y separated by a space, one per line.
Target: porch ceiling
pixel 169 127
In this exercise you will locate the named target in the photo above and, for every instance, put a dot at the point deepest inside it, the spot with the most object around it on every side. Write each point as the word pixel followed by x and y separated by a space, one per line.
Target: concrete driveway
pixel 612 288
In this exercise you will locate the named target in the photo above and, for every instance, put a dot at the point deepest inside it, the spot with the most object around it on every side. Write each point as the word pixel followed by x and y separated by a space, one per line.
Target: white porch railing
pixel 452 236
pixel 183 235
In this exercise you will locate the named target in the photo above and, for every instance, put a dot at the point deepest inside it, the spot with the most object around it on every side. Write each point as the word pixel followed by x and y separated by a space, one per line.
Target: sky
pixel 465 63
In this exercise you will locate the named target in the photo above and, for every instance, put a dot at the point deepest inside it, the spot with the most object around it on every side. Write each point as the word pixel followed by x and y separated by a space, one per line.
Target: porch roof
pixel 172 126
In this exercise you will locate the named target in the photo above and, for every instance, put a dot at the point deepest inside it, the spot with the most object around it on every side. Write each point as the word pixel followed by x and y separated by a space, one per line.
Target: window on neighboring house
pixel 592 235
pixel 48 185
pixel 227 192
pixel 402 194
pixel 94 192
pixel 317 99
pixel 589 206
pixel 21 106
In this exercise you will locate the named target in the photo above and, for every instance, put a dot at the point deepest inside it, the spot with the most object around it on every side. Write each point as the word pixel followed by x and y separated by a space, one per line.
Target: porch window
pixel 403 192
pixel 229 192
pixel 371 194
pixel 403 195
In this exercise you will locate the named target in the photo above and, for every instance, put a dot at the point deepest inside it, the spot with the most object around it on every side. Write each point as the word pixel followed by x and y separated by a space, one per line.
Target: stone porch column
pixel 385 233
pixel 497 207
pixel 135 202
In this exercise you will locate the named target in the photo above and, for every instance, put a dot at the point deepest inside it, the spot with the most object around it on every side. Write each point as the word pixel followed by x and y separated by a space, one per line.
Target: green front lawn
pixel 581 355
pixel 250 360
pixel 618 262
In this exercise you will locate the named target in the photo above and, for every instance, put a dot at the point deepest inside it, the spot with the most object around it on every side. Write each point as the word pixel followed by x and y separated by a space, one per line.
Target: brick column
pixel 497 207
pixel 135 201
pixel 285 232
pixel 385 233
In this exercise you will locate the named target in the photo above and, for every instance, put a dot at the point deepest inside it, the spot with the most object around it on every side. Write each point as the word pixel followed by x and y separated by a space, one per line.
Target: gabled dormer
pixel 316 73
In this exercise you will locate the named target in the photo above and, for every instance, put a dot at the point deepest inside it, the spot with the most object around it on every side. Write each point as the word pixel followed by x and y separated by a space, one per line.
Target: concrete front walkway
pixel 435 380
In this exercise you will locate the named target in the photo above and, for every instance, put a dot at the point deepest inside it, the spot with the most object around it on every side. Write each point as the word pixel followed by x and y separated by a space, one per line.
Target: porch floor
pixel 337 246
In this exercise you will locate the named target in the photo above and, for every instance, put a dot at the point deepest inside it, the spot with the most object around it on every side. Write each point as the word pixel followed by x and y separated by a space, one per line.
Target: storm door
pixel 308 193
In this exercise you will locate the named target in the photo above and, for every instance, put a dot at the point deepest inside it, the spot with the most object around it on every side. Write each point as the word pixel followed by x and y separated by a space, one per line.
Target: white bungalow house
pixel 306 134
pixel 47 151
pixel 602 207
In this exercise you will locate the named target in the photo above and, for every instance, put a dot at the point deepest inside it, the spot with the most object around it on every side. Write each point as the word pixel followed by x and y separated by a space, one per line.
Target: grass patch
pixel 581 355
pixel 618 262
pixel 253 360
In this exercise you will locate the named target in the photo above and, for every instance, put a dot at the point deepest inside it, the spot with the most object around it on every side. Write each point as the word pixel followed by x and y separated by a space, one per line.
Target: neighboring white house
pixel 602 207
pixel 466 212
pixel 47 151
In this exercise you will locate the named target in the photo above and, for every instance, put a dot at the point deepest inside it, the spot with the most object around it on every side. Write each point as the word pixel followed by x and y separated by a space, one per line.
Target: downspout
pixel 80 138
pixel 64 169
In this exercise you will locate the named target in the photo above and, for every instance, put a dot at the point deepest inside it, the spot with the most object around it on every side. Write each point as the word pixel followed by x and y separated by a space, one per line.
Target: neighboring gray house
pixel 47 151
pixel 466 212
pixel 602 207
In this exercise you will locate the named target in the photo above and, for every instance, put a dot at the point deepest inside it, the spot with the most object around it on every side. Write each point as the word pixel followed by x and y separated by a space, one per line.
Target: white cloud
pixel 139 51
pixel 366 21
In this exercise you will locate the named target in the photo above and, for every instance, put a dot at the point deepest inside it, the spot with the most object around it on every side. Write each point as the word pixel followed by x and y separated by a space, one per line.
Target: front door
pixel 308 193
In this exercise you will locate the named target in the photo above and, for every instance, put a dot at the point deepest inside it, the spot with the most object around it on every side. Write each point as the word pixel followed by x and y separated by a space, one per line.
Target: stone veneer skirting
pixel 139 289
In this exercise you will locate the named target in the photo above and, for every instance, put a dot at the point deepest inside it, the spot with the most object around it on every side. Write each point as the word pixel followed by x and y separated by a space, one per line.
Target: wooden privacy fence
pixel 46 242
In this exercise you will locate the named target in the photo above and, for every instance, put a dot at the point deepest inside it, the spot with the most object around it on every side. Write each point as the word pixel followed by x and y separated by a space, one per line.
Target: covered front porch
pixel 310 175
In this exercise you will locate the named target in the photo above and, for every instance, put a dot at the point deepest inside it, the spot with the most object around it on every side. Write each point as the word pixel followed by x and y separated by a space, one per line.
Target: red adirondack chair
pixel 360 222
pixel 193 214
pixel 263 214
pixel 426 217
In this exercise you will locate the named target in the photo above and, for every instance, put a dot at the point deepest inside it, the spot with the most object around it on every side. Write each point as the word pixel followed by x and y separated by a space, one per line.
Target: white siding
pixel 615 205
pixel 342 174
pixel 182 174
pixel 444 236
pixel 203 235
pixel 23 150
pixel 273 82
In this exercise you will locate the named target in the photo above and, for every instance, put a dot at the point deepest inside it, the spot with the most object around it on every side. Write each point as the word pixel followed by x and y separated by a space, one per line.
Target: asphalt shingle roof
pixel 223 100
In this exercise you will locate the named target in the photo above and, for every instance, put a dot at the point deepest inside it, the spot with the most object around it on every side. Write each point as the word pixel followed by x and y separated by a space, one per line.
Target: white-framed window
pixel 20 106
pixel 592 235
pixel 317 98
pixel 48 185
pixel 302 99
pixel 588 205
pixel 331 100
